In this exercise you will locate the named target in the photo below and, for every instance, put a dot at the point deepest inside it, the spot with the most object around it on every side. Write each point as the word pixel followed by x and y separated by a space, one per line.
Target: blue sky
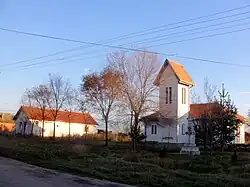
pixel 100 20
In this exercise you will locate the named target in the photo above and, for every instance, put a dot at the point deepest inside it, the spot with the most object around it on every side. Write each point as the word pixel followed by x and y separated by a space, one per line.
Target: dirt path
pixel 19 174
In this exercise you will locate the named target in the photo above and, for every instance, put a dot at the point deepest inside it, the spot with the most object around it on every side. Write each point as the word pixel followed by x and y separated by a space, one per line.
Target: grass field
pixel 118 163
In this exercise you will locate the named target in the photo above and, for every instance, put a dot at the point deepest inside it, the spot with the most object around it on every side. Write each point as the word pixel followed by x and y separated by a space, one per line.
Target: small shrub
pixel 80 148
pixel 234 157
pixel 163 152
pixel 132 157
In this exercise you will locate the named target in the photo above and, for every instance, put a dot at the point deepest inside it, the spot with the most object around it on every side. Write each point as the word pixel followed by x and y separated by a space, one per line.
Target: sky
pixel 97 21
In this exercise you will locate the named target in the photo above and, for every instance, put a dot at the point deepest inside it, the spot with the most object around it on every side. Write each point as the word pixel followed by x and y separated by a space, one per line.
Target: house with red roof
pixel 175 116
pixel 29 120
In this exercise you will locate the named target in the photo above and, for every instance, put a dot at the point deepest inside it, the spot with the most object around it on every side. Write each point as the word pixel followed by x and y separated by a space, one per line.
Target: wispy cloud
pixel 245 93
pixel 248 105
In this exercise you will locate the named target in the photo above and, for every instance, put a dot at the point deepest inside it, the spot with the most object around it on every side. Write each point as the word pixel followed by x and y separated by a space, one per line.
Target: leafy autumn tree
pixel 100 91
pixel 138 71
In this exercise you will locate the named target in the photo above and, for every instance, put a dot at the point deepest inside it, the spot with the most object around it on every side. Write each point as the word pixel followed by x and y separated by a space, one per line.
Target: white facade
pixel 24 126
pixel 240 139
pixel 177 109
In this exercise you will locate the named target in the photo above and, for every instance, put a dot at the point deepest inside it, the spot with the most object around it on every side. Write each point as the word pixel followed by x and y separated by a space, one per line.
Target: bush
pixel 132 157
pixel 163 152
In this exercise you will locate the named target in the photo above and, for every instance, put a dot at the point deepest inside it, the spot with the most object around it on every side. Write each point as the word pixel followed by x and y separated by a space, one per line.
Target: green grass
pixel 118 163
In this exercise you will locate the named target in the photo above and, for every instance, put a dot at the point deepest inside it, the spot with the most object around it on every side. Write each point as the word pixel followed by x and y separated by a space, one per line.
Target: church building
pixel 175 116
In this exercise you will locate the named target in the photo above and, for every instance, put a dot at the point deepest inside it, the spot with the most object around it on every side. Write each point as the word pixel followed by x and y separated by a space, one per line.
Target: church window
pixel 184 95
pixel 153 129
pixel 182 128
pixel 168 95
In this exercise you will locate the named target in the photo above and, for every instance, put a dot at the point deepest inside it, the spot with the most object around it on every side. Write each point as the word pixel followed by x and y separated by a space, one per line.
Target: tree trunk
pixel 205 139
pixel 135 133
pixel 43 129
pixel 54 130
pixel 69 128
pixel 32 127
pixel 222 135
pixel 43 122
pixel 106 138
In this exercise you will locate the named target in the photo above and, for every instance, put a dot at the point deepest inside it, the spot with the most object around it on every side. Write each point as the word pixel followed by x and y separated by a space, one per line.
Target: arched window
pixel 183 128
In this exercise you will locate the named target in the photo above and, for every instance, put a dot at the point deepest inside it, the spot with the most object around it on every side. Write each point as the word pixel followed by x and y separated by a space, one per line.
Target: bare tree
pixel 138 72
pixel 59 89
pixel 209 91
pixel 28 100
pixel 194 97
pixel 100 92
pixel 204 123
pixel 71 104
pixel 37 97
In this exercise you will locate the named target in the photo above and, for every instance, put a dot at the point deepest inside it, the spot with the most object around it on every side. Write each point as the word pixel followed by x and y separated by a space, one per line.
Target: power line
pixel 80 54
pixel 29 66
pixel 201 37
pixel 178 56
pixel 41 57
pixel 187 20
pixel 213 61
pixel 190 24
pixel 240 30
pixel 76 41
pixel 133 33
pixel 179 41
pixel 127 48
pixel 193 29
pixel 100 44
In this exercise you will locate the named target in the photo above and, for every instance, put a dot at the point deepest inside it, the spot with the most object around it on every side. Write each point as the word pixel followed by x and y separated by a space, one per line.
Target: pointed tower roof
pixel 179 71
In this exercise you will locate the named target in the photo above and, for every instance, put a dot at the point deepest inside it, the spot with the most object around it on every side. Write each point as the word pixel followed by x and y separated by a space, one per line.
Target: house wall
pixel 21 119
pixel 240 139
pixel 166 133
pixel 62 128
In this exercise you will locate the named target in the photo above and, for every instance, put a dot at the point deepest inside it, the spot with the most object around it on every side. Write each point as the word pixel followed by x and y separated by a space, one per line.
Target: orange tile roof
pixel 196 110
pixel 7 127
pixel 63 116
pixel 179 71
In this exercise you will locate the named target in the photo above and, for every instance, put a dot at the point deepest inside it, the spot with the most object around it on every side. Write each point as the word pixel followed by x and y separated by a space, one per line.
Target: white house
pixel 75 123
pixel 175 114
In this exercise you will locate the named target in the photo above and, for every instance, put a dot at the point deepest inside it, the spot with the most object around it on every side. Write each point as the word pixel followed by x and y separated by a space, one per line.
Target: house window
pixel 24 127
pixel 184 96
pixel 168 95
pixel 153 129
pixel 183 129
pixel 20 126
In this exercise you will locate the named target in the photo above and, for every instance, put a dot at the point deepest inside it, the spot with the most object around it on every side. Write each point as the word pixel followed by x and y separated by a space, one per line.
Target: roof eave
pixel 187 83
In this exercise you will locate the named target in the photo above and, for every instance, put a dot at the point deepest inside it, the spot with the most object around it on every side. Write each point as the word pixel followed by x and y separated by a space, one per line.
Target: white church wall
pixel 168 79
